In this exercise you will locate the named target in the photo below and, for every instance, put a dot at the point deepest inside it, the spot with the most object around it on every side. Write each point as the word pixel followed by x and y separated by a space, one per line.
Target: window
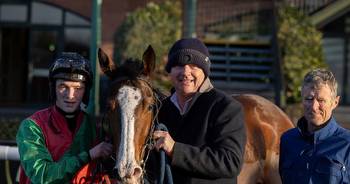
pixel 32 34
pixel 77 40
pixel 13 13
pixel 72 19
pixel 45 14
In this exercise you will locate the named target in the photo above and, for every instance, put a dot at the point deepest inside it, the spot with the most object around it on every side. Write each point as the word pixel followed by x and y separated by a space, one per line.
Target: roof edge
pixel 330 13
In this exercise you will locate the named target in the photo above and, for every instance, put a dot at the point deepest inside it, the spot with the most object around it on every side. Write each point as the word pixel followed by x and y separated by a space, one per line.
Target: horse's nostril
pixel 137 172
pixel 136 97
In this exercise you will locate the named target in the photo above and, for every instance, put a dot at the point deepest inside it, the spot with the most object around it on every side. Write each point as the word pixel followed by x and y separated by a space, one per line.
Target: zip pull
pixel 307 165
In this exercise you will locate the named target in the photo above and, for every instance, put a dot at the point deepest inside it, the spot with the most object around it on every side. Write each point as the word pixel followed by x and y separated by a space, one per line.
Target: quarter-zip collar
pixel 320 134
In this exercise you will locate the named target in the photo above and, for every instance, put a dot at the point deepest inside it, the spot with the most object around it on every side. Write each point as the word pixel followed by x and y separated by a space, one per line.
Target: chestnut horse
pixel 265 123
pixel 132 108
pixel 132 111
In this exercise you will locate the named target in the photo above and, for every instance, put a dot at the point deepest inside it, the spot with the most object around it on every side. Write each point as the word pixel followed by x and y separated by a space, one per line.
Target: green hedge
pixel 158 25
pixel 301 49
pixel 8 128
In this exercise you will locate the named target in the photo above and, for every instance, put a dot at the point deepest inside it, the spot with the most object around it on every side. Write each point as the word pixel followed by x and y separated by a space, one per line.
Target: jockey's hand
pixel 102 150
pixel 164 141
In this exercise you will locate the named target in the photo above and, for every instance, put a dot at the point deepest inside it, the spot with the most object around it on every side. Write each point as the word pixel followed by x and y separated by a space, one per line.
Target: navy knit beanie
pixel 189 51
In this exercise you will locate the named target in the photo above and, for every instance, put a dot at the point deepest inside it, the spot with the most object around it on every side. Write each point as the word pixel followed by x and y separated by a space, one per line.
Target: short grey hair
pixel 319 77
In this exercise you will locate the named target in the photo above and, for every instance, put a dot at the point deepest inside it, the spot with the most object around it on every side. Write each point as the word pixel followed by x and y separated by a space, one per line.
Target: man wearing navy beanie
pixel 206 134
pixel 189 51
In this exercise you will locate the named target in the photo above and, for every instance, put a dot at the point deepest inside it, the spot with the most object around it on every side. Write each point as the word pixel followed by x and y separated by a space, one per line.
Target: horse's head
pixel 132 105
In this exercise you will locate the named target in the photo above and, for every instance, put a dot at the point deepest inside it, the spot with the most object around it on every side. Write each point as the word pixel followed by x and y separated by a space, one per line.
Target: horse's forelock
pixel 126 74
pixel 131 68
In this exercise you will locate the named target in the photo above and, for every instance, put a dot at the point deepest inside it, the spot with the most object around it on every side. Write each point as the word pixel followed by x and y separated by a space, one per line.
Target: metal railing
pixel 8 154
pixel 233 19
pixel 309 6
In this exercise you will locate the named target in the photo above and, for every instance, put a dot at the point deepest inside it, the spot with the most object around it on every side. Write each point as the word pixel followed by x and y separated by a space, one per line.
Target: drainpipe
pixel 280 100
pixel 345 85
pixel 94 108
pixel 189 29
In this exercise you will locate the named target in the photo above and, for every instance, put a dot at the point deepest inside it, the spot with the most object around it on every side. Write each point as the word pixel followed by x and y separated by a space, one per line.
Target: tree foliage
pixel 158 25
pixel 301 50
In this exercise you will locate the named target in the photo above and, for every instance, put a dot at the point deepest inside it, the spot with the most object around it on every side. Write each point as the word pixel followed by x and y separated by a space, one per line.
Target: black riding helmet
pixel 74 67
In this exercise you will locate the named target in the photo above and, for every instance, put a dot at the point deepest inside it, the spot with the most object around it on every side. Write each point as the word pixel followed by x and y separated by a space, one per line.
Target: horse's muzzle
pixel 129 175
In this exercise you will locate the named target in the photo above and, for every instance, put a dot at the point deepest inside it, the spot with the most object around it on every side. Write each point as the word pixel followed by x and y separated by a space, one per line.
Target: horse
pixel 133 106
pixel 132 109
pixel 265 123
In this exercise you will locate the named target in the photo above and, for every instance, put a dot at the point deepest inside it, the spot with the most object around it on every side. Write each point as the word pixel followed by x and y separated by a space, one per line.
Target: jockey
pixel 56 142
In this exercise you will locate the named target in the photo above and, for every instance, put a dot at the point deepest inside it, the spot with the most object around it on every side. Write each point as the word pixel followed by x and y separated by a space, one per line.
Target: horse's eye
pixel 150 108
pixel 134 88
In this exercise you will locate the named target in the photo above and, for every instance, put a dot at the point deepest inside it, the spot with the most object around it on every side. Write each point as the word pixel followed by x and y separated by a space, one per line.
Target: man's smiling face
pixel 186 79
pixel 318 103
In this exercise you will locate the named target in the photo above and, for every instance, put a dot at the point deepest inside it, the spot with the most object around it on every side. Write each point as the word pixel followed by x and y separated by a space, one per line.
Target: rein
pixel 165 169
pixel 149 143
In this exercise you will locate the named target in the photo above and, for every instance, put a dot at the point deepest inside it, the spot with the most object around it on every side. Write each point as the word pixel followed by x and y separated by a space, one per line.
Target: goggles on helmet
pixel 71 66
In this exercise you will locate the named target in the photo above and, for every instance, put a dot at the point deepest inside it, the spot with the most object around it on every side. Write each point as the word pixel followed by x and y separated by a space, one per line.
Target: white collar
pixel 175 101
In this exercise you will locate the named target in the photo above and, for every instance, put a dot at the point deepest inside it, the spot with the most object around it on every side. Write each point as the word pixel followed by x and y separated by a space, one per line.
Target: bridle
pixel 155 107
pixel 149 141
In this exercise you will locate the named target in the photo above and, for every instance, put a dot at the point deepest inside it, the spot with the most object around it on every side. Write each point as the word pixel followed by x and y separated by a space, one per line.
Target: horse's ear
pixel 106 63
pixel 149 61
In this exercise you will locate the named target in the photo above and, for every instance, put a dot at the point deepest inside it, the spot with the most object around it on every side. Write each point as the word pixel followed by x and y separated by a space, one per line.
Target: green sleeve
pixel 37 161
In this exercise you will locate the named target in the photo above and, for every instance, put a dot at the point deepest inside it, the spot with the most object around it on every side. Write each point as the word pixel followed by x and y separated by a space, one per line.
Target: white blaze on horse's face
pixel 128 97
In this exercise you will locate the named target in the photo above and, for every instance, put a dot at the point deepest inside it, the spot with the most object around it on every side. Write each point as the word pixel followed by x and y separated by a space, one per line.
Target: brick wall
pixel 113 13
